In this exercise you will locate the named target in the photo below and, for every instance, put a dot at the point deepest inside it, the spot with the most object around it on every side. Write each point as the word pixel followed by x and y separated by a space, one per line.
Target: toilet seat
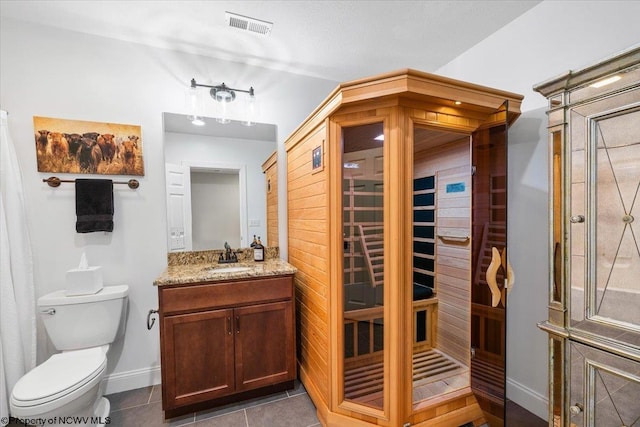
pixel 59 377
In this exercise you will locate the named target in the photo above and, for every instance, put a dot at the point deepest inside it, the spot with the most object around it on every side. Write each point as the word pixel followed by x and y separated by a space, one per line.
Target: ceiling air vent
pixel 248 24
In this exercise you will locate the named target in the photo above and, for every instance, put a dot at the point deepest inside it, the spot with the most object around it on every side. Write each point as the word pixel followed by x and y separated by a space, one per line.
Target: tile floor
pixel 143 408
pixel 293 408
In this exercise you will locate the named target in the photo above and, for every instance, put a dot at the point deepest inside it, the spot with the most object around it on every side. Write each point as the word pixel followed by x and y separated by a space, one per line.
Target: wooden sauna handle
pixel 454 238
pixel 510 276
pixel 492 271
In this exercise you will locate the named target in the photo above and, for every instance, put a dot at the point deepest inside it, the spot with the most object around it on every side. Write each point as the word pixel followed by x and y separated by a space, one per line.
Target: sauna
pixel 397 223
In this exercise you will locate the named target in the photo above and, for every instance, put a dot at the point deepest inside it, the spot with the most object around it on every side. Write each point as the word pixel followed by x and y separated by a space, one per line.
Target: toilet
pixel 69 384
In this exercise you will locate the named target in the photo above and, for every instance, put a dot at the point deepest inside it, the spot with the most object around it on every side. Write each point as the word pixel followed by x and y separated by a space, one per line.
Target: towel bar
pixel 54 181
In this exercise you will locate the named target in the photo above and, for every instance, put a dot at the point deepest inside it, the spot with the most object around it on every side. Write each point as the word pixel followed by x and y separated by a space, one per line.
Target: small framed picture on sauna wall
pixel 77 146
pixel 317 163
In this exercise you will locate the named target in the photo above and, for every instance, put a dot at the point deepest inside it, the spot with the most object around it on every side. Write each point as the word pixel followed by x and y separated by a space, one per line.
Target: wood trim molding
pixel 271 160
pixel 418 85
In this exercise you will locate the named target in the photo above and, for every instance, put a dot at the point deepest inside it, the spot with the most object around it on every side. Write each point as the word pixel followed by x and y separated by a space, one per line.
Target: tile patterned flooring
pixel 293 408
pixel 143 408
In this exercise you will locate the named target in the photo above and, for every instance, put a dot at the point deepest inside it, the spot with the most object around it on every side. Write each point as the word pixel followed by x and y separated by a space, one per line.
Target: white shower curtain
pixel 17 295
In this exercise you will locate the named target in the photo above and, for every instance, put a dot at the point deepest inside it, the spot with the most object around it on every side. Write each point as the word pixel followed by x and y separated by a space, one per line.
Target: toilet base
pixel 103 408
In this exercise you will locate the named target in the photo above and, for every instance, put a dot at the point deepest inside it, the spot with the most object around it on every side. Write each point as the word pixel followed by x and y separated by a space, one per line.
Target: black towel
pixel 94 205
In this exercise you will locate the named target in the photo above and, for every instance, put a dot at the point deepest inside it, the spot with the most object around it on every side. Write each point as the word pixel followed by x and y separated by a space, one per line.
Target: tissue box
pixel 84 281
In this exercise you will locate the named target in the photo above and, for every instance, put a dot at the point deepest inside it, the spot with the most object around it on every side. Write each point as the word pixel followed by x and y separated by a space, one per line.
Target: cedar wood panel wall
pixel 271 177
pixel 308 227
pixel 453 260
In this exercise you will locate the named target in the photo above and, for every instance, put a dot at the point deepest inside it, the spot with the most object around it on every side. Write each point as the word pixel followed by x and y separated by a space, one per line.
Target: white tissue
pixel 84 264
pixel 84 280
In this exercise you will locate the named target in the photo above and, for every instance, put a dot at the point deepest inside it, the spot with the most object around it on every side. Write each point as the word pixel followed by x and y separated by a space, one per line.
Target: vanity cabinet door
pixel 198 360
pixel 264 345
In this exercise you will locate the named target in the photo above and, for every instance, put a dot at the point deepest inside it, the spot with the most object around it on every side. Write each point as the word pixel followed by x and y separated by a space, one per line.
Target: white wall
pixel 57 73
pixel 548 40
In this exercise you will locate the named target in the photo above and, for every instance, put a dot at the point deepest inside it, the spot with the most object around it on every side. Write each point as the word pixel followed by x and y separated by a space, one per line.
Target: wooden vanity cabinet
pixel 225 339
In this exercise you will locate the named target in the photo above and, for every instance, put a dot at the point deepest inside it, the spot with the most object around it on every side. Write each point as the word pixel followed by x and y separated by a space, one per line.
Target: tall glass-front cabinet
pixel 594 294
pixel 397 224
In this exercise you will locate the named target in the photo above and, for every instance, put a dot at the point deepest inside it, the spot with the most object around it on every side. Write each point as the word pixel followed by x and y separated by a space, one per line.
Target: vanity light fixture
pixel 224 95
pixel 606 81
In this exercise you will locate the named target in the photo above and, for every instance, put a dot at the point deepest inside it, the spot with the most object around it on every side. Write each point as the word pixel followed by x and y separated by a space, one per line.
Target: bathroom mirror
pixel 216 189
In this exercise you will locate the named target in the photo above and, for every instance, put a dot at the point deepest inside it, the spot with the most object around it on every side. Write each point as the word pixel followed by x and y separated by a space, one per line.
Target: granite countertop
pixel 197 272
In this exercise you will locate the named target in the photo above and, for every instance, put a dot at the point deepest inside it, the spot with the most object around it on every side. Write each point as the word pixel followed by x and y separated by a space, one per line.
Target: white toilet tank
pixel 76 322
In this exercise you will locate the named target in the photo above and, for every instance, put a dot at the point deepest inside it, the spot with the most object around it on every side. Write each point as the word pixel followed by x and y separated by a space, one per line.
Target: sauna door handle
pixel 510 280
pixel 492 271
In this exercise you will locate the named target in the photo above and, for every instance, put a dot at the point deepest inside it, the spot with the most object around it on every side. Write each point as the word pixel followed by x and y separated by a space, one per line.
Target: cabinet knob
pixel 575 409
pixel 577 218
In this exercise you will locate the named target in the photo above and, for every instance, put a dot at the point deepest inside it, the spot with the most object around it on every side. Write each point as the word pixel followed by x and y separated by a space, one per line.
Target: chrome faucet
pixel 229 255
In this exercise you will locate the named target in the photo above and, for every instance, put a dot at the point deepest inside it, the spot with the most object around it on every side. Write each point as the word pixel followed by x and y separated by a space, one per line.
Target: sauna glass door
pixel 363 264
pixel 489 270
pixel 440 289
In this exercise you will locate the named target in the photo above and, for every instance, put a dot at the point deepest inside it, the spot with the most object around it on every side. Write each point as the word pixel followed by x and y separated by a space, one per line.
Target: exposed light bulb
pixel 196 120
pixel 251 111
pixel 606 81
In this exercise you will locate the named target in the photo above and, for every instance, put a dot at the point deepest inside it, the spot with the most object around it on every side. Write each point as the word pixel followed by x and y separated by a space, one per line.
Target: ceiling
pixel 334 40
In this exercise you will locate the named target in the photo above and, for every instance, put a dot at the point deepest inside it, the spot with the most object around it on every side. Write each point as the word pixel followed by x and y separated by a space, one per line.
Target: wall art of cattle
pixel 77 146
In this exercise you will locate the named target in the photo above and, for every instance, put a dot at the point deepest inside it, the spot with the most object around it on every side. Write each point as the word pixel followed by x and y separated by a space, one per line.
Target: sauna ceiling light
pixel 351 166
pixel 379 137
pixel 457 102
pixel 606 81
pixel 256 26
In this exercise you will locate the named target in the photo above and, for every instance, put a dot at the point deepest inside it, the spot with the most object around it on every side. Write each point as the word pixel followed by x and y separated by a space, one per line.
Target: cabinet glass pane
pixel 617 205
pixel 605 216
pixel 558 199
pixel 556 380
pixel 363 278
pixel 605 389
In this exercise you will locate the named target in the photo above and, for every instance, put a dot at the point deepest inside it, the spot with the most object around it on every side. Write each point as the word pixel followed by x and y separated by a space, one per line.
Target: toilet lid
pixel 59 375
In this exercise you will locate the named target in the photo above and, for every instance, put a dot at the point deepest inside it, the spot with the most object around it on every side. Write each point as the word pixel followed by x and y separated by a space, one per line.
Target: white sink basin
pixel 228 269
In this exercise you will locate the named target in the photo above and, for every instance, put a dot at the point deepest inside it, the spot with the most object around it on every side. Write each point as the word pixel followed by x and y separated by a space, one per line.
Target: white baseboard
pixel 529 399
pixel 125 381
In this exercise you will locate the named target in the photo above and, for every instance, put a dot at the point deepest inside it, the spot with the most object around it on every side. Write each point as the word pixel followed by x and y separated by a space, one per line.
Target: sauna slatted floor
pixel 365 383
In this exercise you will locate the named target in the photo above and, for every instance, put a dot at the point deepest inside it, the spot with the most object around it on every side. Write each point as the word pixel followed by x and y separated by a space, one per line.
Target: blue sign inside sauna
pixel 456 187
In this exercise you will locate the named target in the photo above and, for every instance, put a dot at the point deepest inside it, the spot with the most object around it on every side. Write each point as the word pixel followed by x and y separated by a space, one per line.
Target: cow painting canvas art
pixel 77 146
